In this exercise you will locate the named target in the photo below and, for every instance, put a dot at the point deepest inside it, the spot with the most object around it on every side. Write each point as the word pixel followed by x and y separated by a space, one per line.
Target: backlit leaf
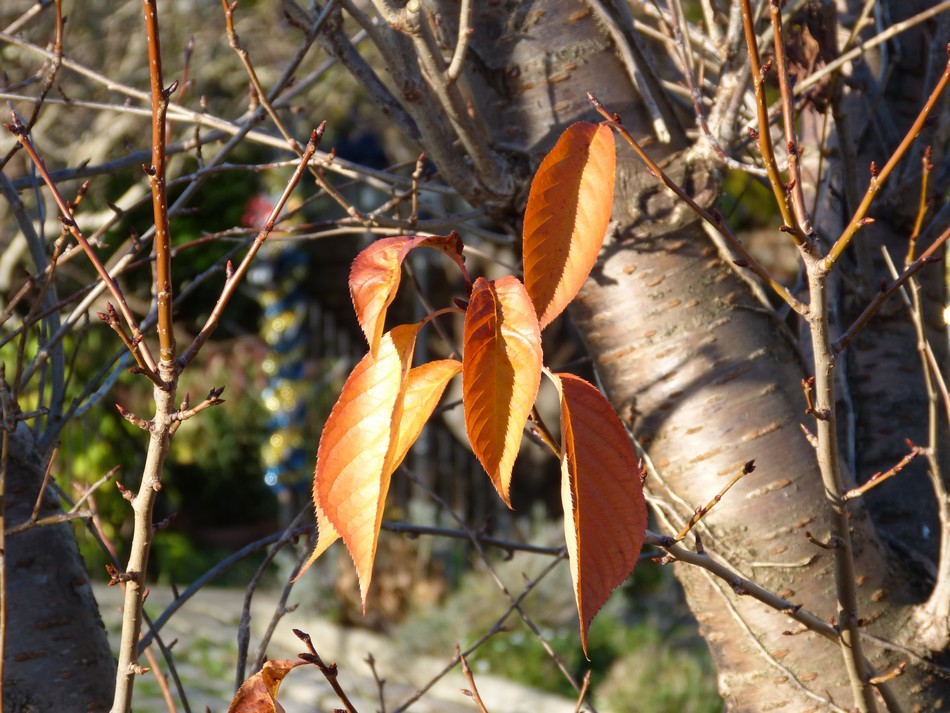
pixel 326 536
pixel 375 274
pixel 501 372
pixel 421 391
pixel 351 479
pixel 258 694
pixel 424 387
pixel 605 515
pixel 567 215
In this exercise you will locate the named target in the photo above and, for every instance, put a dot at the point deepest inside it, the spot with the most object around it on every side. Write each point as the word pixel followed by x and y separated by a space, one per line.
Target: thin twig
pixel 878 178
pixel 507 545
pixel 234 279
pixel 461 46
pixel 329 672
pixel 281 609
pixel 747 260
pixel 212 574
pixel 701 511
pixel 497 628
pixel 49 520
pixel 244 629
pixel 585 684
pixel 157 182
pixel 881 297
pixel 473 691
pixel 879 478
pixel 34 516
pixel 764 133
pixel 501 585
pixel 826 431
pixel 18 130
pixel 637 68
pixel 794 188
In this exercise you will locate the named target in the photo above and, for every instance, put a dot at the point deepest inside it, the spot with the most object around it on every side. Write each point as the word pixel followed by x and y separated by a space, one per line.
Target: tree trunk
pixel 707 377
pixel 57 656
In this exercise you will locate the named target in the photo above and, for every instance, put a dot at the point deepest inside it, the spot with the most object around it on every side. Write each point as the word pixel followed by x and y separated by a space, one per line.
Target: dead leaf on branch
pixel 376 272
pixel 501 373
pixel 258 694
pixel 567 216
pixel 605 515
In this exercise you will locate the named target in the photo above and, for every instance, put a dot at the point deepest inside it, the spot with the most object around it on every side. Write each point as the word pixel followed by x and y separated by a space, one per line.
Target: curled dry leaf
pixel 605 515
pixel 501 373
pixel 375 275
pixel 258 694
pixel 567 216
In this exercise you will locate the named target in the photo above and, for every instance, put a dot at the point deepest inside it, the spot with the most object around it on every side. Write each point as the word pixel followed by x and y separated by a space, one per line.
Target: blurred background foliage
pixel 214 493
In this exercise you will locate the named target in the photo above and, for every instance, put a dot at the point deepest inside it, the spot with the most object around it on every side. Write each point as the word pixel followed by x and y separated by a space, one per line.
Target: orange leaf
pixel 351 480
pixel 567 215
pixel 375 273
pixel 501 373
pixel 258 694
pixel 424 387
pixel 421 392
pixel 326 536
pixel 605 516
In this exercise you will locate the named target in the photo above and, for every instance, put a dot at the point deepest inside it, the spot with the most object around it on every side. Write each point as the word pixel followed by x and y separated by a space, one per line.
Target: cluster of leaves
pixel 385 401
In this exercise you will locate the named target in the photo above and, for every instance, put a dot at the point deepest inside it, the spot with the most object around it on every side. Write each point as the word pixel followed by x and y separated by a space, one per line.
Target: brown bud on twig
pixel 124 492
pixel 117 577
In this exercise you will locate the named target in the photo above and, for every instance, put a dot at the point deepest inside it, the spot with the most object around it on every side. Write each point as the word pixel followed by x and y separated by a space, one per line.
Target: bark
pixel 57 656
pixel 707 378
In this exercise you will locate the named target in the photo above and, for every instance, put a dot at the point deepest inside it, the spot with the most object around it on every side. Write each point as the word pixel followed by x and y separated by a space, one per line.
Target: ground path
pixel 205 654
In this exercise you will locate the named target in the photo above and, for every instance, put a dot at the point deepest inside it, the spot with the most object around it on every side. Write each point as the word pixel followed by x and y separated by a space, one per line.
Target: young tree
pixel 707 373
pixel 814 591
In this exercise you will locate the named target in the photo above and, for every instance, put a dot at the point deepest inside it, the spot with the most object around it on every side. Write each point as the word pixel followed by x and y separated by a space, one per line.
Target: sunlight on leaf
pixel 567 216
pixel 605 516
pixel 501 374
pixel 375 275
pixel 326 536
pixel 258 694
pixel 424 387
pixel 351 480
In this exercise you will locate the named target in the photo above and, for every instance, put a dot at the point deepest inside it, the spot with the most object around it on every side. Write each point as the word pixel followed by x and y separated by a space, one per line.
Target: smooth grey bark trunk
pixel 57 654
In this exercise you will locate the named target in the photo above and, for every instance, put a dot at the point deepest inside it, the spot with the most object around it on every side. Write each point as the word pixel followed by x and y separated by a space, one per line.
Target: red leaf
pixel 605 516
pixel 375 274
pixel 567 216
pixel 501 372
pixel 258 694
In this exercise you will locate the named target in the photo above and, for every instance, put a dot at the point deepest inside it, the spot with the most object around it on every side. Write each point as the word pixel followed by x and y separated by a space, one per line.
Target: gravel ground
pixel 205 654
